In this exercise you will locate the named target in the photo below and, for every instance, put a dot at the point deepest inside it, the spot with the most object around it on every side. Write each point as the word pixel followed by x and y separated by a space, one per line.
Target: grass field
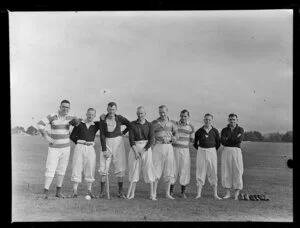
pixel 265 172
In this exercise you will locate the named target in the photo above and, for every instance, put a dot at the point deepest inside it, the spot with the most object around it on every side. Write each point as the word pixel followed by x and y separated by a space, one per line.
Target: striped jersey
pixel 164 129
pixel 59 129
pixel 185 134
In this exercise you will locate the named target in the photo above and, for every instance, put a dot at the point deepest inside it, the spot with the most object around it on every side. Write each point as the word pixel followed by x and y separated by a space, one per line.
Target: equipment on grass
pixel 253 197
pixel 88 197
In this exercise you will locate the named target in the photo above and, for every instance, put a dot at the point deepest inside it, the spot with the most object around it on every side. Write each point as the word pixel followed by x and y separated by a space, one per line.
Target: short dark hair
pixel 65 101
pixel 232 115
pixel 111 104
pixel 185 111
pixel 91 109
pixel 208 114
pixel 163 106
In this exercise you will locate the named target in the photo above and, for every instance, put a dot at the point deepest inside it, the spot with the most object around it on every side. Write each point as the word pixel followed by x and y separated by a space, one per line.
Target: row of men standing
pixel 159 149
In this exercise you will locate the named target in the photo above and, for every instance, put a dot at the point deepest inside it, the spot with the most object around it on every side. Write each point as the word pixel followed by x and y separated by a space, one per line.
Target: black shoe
pixel 171 190
pixel 74 195
pixel 183 195
pixel 121 195
pixel 101 195
pixel 241 196
pixel 46 194
pixel 91 195
pixel 60 195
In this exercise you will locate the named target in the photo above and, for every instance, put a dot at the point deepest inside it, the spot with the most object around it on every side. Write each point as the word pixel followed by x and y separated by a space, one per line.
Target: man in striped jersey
pixel 185 135
pixel 163 154
pixel 207 142
pixel 59 145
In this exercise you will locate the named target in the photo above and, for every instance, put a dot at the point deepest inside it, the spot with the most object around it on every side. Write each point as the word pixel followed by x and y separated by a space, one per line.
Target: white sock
pixel 59 180
pixel 227 192
pixel 75 186
pixel 199 190
pixel 89 186
pixel 48 181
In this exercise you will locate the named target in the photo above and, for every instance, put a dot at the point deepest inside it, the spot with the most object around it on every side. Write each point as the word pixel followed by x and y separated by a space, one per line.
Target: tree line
pixel 256 136
pixel 30 130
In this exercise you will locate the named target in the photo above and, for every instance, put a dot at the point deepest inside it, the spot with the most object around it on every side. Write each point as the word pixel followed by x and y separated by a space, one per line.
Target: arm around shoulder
pixel 74 134
pixel 102 136
pixel 126 122
pixel 224 137
pixel 196 140
pixel 218 142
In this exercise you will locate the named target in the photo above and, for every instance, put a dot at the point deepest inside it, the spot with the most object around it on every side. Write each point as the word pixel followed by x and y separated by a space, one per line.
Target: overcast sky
pixel 204 61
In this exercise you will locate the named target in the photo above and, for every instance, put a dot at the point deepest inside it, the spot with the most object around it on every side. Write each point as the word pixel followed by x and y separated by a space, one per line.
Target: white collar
pixel 59 116
pixel 85 121
pixel 159 119
pixel 180 123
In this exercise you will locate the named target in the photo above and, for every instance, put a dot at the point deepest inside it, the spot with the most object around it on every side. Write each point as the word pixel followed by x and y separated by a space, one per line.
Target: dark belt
pixel 86 143
pixel 159 142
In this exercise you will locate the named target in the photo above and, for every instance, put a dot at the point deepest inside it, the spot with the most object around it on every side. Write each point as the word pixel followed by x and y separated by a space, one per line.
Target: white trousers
pixel 164 162
pixel 182 165
pixel 84 160
pixel 117 148
pixel 206 165
pixel 232 168
pixel 143 164
pixel 57 161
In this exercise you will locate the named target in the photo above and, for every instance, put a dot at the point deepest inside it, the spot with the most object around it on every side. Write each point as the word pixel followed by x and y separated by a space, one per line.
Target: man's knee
pixel 120 174
pixel 76 179
pixel 49 173
pixel 60 172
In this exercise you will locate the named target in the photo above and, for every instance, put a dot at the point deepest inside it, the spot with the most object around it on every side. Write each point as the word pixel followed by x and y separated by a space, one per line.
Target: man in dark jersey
pixel 207 142
pixel 84 158
pixel 112 144
pixel 141 138
pixel 232 167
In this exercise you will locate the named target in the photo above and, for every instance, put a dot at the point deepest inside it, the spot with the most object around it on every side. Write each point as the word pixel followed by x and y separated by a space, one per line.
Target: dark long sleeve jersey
pixel 139 132
pixel 207 140
pixel 81 132
pixel 120 120
pixel 230 138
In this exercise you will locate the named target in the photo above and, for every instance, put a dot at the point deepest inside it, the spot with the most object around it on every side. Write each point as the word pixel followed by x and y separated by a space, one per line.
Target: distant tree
pixel 288 136
pixel 258 136
pixel 32 131
pixel 276 137
pixel 253 136
pixel 17 130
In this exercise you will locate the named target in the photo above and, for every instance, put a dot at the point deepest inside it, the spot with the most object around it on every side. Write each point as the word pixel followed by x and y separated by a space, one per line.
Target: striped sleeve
pixel 71 117
pixel 45 121
pixel 174 127
pixel 192 133
pixel 193 129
